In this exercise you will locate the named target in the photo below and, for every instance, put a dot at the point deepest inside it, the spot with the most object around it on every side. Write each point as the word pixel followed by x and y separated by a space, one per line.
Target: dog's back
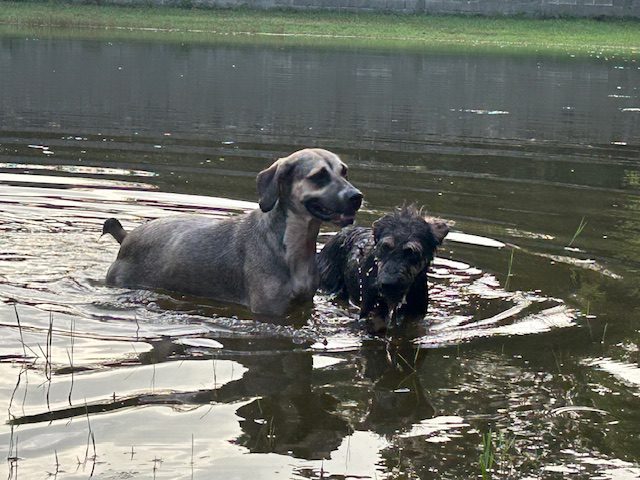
pixel 188 253
pixel 341 255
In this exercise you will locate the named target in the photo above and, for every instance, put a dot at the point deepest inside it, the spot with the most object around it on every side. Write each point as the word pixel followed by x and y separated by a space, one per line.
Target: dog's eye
pixel 411 255
pixel 385 247
pixel 344 171
pixel 320 177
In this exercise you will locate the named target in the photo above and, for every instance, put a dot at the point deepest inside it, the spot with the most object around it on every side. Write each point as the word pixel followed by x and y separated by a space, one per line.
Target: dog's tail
pixel 113 227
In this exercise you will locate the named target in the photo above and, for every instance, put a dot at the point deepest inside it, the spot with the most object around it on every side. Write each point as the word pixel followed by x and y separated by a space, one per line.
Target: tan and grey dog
pixel 264 259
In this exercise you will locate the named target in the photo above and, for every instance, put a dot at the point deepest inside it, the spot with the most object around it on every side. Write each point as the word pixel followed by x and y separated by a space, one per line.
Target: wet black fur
pixel 358 262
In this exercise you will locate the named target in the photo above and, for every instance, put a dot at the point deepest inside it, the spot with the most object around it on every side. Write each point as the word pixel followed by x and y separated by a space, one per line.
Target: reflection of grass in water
pixel 12 456
pixel 369 29
pixel 57 465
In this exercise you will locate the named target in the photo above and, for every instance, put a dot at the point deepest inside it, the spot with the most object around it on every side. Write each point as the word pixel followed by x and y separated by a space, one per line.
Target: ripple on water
pixel 437 429
pixel 66 277
pixel 467 304
pixel 622 371
pixel 77 169
pixel 91 349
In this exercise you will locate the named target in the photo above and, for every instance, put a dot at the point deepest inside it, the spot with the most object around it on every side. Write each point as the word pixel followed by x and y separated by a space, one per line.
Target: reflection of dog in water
pixel 384 269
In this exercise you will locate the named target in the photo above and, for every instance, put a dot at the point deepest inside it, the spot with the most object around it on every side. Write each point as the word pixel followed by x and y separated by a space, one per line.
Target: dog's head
pixel 405 245
pixel 310 182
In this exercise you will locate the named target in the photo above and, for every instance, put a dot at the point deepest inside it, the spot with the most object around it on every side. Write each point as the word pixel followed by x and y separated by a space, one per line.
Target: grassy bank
pixel 556 35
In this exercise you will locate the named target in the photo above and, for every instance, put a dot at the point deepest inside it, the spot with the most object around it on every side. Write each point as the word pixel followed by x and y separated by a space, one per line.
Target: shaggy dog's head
pixel 405 246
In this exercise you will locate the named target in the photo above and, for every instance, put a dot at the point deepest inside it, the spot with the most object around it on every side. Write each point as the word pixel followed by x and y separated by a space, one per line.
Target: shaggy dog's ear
pixel 269 184
pixel 440 230
pixel 377 227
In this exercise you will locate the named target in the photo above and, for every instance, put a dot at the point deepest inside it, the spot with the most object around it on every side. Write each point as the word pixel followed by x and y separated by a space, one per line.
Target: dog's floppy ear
pixel 268 181
pixel 268 187
pixel 440 230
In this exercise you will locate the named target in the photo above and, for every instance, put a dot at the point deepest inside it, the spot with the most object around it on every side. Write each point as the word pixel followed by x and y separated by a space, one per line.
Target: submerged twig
pixel 412 367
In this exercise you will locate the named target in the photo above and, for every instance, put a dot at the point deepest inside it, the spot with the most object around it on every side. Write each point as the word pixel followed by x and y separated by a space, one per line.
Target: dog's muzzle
pixel 342 214
pixel 392 283
pixel 392 290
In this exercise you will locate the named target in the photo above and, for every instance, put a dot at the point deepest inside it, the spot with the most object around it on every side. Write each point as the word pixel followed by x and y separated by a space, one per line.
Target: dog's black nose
pixel 355 200
pixel 391 288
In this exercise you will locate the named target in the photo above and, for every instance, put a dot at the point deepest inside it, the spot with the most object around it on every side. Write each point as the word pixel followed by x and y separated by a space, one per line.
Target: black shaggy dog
pixel 384 269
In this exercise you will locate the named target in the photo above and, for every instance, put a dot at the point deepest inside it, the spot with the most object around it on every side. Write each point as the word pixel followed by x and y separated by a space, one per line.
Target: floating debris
pixel 481 111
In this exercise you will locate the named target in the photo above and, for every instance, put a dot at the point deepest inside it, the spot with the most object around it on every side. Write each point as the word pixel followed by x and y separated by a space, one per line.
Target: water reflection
pixel 150 87
pixel 289 417
pixel 524 336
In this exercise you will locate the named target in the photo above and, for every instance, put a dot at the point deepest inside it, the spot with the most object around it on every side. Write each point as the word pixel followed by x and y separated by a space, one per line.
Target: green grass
pixel 583 223
pixel 362 29
pixel 497 455
pixel 487 457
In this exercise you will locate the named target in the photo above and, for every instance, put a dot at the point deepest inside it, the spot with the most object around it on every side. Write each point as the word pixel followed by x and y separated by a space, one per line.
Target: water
pixel 515 149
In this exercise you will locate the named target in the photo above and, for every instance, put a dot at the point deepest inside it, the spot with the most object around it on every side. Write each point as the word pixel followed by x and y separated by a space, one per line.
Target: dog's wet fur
pixel 264 259
pixel 383 269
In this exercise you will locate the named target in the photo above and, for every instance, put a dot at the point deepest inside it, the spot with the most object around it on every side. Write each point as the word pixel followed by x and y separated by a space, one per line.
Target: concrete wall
pixel 535 8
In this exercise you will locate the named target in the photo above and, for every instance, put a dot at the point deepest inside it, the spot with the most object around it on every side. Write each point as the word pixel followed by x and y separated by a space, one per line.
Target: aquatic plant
pixel 487 457
pixel 497 455
pixel 583 223
pixel 509 274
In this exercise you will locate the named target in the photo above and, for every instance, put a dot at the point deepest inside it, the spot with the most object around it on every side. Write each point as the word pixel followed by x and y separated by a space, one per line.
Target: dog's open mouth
pixel 318 210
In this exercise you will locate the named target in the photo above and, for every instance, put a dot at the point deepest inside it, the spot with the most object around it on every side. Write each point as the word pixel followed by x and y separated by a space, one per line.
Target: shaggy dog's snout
pixel 393 288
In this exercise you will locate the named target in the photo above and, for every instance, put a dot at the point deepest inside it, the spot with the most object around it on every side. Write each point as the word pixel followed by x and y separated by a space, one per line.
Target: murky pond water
pixel 537 340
